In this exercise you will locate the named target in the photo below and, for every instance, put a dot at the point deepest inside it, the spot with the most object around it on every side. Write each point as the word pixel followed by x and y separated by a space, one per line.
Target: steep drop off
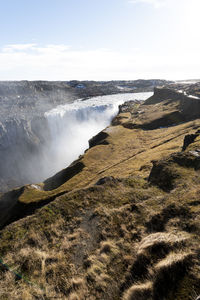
pixel 124 225
pixel 24 131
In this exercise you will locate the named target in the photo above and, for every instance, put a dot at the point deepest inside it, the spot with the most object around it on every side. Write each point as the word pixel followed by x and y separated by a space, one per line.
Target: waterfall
pixel 72 125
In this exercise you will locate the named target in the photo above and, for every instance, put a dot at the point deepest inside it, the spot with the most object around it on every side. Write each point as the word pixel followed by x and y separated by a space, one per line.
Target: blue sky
pixel 99 39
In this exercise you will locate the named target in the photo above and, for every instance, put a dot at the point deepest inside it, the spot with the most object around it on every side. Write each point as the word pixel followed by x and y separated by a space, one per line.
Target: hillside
pixel 122 222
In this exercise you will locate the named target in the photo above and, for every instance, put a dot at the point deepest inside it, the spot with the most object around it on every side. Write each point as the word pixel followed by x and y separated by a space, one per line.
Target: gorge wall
pixel 26 133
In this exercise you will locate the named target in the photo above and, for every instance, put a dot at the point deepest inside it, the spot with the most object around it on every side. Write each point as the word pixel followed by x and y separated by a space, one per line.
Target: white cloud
pixel 30 61
pixel 17 47
pixel 155 3
pixel 61 62
pixel 173 4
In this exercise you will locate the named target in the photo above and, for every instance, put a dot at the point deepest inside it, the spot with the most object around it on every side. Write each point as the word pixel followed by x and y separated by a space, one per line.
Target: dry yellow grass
pixel 121 237
pixel 139 292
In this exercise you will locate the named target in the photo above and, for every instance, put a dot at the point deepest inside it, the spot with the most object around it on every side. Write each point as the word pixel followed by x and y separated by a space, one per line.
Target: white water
pixel 72 125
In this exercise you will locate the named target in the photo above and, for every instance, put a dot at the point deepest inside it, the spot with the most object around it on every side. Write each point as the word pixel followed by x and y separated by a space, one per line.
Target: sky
pixel 99 39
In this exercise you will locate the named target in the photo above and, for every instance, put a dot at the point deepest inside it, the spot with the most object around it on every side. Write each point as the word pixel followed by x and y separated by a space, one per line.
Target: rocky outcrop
pixel 163 175
pixel 22 146
pixel 167 107
pixel 189 139
pixel 165 172
pixel 164 93
pixel 63 176
pixel 99 139
pixel 189 105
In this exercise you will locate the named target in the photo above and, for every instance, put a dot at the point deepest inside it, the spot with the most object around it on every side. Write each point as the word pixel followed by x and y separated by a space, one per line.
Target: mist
pixel 72 125
pixel 36 148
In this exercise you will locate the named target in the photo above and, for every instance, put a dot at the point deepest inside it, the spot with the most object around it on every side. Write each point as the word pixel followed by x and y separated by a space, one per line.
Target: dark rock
pixel 99 139
pixel 164 172
pixel 163 175
pixel 189 106
pixel 189 139
pixel 188 160
pixel 63 176
pixel 11 209
pixel 127 106
pixel 162 94
pixel 108 179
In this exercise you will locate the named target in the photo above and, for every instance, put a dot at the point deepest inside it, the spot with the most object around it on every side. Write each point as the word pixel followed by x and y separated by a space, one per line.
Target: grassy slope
pixel 123 238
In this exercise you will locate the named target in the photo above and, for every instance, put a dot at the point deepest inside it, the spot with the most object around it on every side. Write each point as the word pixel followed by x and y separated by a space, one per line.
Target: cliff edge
pixel 122 222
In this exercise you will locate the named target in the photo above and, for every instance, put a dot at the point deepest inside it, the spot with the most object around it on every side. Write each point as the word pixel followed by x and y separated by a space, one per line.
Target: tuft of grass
pixel 169 272
pixel 74 296
pixel 139 292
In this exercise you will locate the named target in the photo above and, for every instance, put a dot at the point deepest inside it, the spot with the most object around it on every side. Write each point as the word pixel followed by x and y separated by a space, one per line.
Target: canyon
pixel 121 221
pixel 25 134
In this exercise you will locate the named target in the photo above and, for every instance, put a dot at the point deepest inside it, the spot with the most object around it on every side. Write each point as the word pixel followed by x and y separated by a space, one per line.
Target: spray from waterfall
pixel 72 125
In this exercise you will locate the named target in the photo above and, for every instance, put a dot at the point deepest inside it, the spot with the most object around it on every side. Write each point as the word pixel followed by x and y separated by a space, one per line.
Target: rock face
pixel 22 146
pixel 99 139
pixel 164 93
pixel 189 105
pixel 25 99
pixel 189 139
pixel 122 222
pixel 165 172
pixel 24 132
pixel 167 107
pixel 63 176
